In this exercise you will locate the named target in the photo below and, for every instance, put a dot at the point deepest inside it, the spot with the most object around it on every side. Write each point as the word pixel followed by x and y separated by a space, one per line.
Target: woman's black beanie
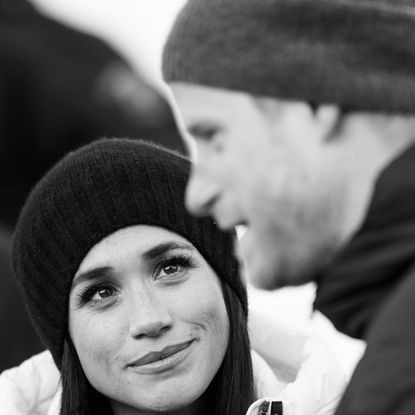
pixel 92 192
pixel 358 54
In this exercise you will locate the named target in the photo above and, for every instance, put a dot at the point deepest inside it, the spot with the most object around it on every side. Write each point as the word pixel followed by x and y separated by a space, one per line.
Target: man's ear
pixel 328 118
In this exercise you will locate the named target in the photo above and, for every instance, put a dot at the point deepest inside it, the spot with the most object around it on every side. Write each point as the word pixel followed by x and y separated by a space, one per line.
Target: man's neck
pixel 372 143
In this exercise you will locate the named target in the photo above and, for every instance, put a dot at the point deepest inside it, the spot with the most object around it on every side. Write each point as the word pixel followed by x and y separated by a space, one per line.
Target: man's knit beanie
pixel 100 188
pixel 359 54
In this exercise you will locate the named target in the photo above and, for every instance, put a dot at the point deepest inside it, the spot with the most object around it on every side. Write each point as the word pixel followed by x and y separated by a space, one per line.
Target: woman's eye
pixel 98 295
pixel 171 269
pixel 103 293
pixel 175 266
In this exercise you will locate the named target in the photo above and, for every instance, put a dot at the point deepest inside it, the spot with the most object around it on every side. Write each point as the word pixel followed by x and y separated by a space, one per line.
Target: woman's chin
pixel 165 401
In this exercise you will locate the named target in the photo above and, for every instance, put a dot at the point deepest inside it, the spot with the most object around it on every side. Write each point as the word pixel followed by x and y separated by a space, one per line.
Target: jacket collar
pixel 377 257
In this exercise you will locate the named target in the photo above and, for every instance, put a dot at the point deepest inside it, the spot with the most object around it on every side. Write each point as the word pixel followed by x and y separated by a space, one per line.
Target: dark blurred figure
pixel 58 90
pixel 18 338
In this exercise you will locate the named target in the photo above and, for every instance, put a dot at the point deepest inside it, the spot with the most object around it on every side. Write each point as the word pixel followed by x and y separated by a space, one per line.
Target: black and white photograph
pixel 206 207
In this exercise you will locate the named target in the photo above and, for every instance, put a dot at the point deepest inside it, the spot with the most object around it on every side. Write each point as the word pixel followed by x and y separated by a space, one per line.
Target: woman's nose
pixel 148 316
pixel 201 193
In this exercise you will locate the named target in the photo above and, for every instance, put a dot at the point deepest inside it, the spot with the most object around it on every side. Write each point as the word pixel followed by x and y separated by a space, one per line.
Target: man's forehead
pixel 198 103
pixel 184 91
pixel 197 100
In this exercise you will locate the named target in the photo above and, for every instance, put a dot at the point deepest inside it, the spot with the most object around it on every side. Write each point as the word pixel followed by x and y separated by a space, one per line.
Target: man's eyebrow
pixel 90 275
pixel 164 247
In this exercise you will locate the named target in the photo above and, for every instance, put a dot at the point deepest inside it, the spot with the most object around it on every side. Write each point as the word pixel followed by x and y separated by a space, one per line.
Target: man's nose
pixel 201 194
pixel 148 316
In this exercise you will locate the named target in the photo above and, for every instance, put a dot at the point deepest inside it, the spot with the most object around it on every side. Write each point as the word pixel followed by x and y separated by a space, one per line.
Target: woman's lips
pixel 163 354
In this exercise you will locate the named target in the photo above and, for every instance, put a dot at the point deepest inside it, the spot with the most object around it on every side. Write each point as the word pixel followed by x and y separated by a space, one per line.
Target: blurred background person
pixel 59 89
pixel 18 338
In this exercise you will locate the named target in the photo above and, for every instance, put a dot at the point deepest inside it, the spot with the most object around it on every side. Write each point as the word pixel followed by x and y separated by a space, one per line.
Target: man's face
pixel 264 164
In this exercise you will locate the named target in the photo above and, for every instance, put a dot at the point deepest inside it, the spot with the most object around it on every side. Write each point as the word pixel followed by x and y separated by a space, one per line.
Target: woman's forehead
pixel 140 241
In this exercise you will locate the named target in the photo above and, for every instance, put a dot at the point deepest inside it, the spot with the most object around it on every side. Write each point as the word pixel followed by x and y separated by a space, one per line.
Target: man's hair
pixel 231 391
pixel 353 53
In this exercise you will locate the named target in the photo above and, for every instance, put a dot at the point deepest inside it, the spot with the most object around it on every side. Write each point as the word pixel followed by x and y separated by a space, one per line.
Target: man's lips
pixel 155 356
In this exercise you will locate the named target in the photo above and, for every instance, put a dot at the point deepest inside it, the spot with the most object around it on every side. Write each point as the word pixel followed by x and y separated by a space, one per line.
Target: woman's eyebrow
pixel 148 255
pixel 90 275
pixel 164 247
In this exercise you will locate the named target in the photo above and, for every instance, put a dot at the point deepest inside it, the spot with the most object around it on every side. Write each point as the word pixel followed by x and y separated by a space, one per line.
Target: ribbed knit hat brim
pixel 103 187
pixel 359 54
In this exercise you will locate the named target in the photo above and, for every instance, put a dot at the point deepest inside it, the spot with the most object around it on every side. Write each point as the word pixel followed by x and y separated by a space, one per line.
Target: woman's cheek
pixel 204 306
pixel 96 339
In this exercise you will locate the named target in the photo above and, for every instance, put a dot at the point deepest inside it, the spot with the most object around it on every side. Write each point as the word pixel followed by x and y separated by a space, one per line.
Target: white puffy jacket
pixel 290 366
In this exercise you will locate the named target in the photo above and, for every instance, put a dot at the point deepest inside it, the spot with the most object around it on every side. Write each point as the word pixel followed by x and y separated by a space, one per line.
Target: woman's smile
pixel 159 361
pixel 155 316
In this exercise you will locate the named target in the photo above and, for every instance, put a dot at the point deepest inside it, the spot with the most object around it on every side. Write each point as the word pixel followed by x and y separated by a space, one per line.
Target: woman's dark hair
pixel 78 396
pixel 230 392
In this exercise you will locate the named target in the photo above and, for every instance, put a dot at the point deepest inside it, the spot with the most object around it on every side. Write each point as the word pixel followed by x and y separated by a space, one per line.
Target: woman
pixel 141 305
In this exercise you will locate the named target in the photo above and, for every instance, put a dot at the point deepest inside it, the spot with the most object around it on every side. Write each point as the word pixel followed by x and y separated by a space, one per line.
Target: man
pixel 303 115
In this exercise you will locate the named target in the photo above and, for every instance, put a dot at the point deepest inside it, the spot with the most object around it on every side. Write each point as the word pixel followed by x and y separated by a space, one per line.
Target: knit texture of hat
pixel 94 191
pixel 359 54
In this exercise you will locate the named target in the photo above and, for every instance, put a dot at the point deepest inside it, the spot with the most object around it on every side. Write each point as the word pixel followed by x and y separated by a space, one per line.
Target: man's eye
pixel 203 132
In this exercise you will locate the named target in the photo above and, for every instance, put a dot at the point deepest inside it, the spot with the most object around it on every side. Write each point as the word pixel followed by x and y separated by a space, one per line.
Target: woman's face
pixel 148 320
